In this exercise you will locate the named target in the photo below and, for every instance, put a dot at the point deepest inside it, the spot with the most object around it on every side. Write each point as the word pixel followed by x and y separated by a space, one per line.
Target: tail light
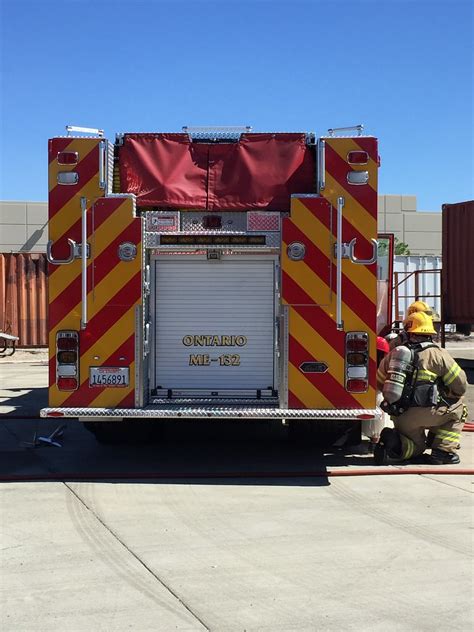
pixel 357 362
pixel 357 157
pixel 67 360
pixel 68 158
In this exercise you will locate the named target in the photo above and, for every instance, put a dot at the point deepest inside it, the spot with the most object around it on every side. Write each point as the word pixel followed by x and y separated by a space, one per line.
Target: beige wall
pixel 23 225
pixel 421 231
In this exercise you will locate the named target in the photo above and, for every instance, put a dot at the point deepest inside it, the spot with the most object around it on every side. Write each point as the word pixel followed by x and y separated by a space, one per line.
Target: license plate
pixel 110 376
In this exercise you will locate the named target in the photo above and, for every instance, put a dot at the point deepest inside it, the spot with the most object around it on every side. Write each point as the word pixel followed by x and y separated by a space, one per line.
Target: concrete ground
pixel 162 547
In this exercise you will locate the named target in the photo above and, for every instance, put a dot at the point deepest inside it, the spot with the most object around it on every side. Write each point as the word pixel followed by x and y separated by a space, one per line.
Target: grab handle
pixel 339 322
pixel 58 262
pixel 363 262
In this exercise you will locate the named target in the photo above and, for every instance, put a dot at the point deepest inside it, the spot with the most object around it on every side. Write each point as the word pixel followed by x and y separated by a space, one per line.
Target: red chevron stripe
pixel 338 168
pixel 85 395
pixel 314 257
pixel 99 324
pixel 319 320
pixel 127 402
pixel 370 146
pixel 325 326
pixel 326 383
pixel 103 265
pixel 294 402
pixel 55 145
pixel 87 168
pixel 319 263
pixel 75 231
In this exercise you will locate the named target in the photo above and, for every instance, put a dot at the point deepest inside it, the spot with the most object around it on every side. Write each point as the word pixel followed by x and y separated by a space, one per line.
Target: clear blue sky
pixel 404 68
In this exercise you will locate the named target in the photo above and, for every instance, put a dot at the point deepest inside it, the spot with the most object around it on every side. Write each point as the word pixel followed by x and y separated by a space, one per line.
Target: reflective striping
pixel 304 390
pixel 452 374
pixel 369 145
pixel 447 433
pixel 354 277
pixel 361 219
pixel 424 374
pixel 409 448
pixel 104 248
pixel 313 286
pixel 327 383
pixel 365 196
pixel 343 147
pixel 308 336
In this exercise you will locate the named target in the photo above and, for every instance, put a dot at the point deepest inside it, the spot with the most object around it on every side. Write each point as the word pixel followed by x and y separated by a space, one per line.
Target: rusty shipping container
pixel 458 263
pixel 23 298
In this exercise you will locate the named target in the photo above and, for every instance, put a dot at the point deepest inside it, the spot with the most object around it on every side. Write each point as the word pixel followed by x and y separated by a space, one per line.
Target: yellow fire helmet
pixel 420 323
pixel 419 306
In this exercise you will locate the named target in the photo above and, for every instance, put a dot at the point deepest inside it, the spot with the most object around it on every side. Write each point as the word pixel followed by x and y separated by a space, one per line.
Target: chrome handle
pixel 84 320
pixel 363 262
pixel 146 342
pixel 57 262
pixel 339 322
pixel 321 165
pixel 147 281
pixel 102 150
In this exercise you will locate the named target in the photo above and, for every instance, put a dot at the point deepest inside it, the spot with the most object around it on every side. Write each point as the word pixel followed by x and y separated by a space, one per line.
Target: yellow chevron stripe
pixel 315 287
pixel 314 229
pixel 310 339
pixel 83 146
pixel 306 392
pixel 70 213
pixel 104 347
pixel 99 297
pixel 101 238
pixel 359 217
pixel 343 146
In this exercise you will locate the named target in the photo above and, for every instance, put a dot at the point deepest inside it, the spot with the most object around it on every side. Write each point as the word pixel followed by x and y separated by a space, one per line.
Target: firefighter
pixel 417 306
pixel 443 415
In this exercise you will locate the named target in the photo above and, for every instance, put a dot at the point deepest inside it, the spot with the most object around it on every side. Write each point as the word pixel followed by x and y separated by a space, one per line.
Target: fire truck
pixel 214 273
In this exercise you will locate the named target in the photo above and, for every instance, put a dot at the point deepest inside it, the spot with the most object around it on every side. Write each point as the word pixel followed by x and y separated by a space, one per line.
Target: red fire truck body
pixel 213 273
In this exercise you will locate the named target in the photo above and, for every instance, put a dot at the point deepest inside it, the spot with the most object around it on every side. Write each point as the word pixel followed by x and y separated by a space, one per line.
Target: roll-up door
pixel 214 324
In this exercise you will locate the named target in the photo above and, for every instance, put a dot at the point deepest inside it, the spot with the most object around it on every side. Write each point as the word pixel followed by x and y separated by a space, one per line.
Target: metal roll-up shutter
pixel 214 323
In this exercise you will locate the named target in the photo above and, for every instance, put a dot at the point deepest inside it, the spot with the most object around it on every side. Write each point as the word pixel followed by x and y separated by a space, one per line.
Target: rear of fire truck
pixel 213 273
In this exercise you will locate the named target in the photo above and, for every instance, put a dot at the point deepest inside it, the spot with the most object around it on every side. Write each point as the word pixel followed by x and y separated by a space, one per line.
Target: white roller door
pixel 214 323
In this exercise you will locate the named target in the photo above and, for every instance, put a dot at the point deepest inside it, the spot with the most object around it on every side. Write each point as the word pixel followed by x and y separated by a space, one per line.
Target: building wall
pixel 23 225
pixel 421 231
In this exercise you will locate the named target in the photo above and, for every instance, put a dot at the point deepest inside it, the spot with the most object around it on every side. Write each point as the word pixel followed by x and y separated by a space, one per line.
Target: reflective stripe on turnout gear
pixel 449 377
pixel 409 448
pixel 447 435
pixel 424 375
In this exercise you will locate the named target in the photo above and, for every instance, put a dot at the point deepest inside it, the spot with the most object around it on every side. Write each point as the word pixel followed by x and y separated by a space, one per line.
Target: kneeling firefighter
pixel 423 388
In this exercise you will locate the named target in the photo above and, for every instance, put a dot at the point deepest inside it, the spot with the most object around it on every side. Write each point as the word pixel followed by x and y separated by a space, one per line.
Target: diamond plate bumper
pixel 180 411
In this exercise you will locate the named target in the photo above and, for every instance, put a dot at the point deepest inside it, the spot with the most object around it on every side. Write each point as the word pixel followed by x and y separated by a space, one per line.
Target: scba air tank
pixel 399 368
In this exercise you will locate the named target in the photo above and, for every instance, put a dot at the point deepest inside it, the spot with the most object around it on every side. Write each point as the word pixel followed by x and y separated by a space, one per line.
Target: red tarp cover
pixel 261 171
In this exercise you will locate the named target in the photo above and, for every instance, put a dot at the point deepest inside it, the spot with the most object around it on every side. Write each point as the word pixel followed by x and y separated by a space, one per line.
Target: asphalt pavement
pixel 221 527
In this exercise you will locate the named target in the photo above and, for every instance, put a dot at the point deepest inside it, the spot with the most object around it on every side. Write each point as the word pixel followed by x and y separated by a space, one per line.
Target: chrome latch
pixel 345 250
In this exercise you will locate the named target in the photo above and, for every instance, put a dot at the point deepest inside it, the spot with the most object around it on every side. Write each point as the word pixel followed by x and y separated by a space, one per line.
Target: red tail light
pixel 356 344
pixel 68 158
pixel 67 360
pixel 357 157
pixel 356 386
pixel 67 383
pixel 67 344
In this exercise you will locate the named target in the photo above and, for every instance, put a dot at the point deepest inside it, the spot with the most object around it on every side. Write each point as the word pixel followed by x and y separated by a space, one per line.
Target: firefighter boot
pixel 389 448
pixel 441 457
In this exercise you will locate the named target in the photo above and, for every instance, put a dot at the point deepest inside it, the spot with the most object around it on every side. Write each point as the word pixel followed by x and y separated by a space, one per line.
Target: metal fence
pixel 23 298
